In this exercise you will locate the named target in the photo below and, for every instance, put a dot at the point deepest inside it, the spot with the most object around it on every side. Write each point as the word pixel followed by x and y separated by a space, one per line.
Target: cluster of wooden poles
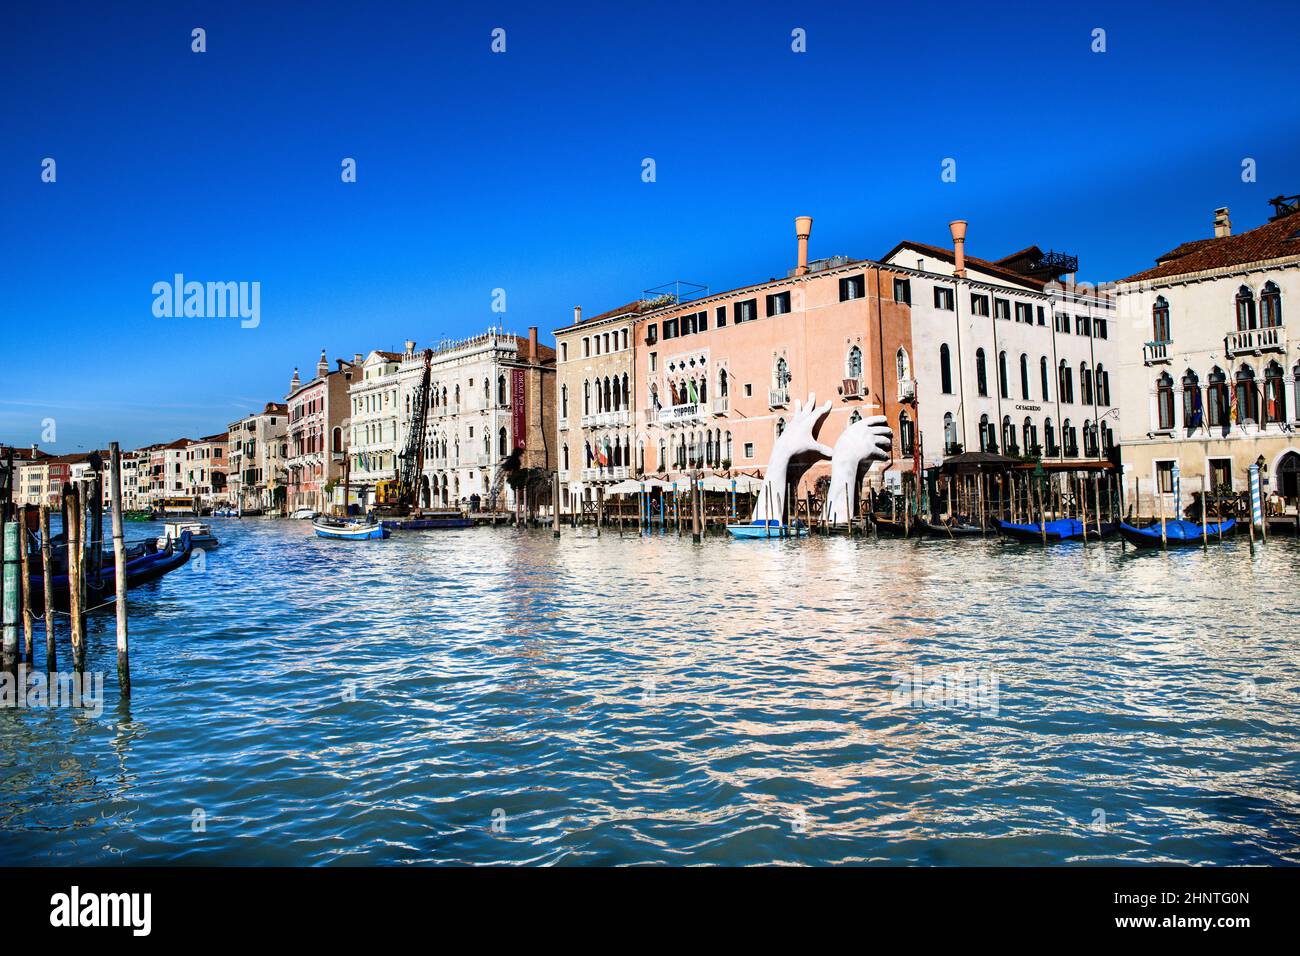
pixel 83 559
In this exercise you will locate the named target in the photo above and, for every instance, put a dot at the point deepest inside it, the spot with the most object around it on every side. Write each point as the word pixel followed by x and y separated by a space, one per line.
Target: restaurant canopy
pixel 971 462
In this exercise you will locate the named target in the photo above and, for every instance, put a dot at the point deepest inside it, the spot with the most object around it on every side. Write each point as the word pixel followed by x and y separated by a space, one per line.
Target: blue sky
pixel 522 170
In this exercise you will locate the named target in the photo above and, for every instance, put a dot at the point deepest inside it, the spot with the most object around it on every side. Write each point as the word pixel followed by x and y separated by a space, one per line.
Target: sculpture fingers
pixel 876 420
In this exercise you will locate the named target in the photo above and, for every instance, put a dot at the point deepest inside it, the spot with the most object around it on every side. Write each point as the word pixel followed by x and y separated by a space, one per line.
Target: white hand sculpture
pixel 796 439
pixel 867 440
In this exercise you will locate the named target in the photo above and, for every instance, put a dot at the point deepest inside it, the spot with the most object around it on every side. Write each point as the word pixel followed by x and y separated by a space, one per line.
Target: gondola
pixel 144 563
pixel 1062 529
pixel 955 529
pixel 1178 533
pixel 894 528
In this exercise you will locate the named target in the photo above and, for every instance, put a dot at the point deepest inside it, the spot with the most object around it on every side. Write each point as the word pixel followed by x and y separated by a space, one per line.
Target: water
pixel 492 695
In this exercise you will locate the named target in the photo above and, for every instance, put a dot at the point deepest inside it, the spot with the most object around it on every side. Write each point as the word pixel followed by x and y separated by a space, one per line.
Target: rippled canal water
pixel 493 695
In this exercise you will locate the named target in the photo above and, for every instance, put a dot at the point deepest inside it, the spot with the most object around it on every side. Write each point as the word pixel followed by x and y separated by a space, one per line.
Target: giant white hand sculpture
pixel 867 440
pixel 796 439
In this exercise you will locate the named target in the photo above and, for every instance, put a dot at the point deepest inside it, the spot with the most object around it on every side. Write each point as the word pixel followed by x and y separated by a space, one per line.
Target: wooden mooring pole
pixel 75 581
pixel 119 564
pixel 11 570
pixel 555 502
pixel 28 651
pixel 47 571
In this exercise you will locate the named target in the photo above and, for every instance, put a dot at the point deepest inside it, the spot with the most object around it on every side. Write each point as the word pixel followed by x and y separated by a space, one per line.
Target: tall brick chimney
pixel 958 227
pixel 1222 224
pixel 802 230
pixel 532 345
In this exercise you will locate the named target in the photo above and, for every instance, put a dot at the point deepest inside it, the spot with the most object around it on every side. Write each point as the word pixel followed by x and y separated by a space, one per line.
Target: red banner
pixel 518 407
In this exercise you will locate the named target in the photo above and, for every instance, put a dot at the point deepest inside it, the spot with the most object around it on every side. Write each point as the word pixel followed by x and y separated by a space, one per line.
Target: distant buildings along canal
pixel 259 453
pixel 318 416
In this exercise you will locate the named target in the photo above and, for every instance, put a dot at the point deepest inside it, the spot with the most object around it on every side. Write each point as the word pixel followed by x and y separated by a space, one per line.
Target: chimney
pixel 295 381
pixel 577 315
pixel 356 358
pixel 802 230
pixel 1222 224
pixel 532 345
pixel 410 347
pixel 322 367
pixel 958 227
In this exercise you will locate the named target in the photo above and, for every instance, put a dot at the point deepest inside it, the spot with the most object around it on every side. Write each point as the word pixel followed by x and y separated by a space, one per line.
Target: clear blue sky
pixel 523 170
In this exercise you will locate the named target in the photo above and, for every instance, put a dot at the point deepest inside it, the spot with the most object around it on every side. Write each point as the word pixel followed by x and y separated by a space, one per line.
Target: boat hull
pixel 1178 534
pixel 140 570
pixel 427 524
pixel 749 531
pixel 370 532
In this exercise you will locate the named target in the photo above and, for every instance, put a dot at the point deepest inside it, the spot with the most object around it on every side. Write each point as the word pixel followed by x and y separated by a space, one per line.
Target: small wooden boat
pixel 143 564
pixel 200 534
pixel 429 522
pixel 138 514
pixel 954 529
pixel 349 530
pixel 1178 533
pixel 771 528
pixel 894 528
pixel 303 514
pixel 1061 529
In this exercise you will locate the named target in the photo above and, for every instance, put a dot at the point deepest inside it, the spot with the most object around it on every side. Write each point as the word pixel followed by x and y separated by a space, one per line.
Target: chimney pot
pixel 802 230
pixel 1222 224
pixel 577 314
pixel 356 358
pixel 532 344
pixel 958 228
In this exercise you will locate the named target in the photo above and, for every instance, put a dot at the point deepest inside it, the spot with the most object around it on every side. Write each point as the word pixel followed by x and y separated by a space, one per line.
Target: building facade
pixel 717 377
pixel 1210 376
pixel 317 434
pixel 1011 356
pixel 259 452
pixel 489 395
pixel 595 396
pixel 375 397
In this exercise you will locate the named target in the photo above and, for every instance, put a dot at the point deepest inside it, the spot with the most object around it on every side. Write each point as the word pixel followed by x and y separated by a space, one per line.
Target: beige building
pixel 1210 373
pixel 259 451
pixel 373 444
pixel 318 432
pixel 206 468
pixel 595 395
pixel 490 395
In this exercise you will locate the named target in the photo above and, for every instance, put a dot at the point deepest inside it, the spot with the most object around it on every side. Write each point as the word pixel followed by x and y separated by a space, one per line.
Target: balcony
pixel 1155 353
pixel 1256 341
pixel 778 397
pixel 907 389
pixel 721 405
pixel 564 424
pixel 676 414
pixel 852 388
pixel 608 473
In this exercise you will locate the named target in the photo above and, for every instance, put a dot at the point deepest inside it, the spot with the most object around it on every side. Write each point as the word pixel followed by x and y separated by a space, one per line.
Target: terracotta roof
pixel 972 262
pixel 26 454
pixel 634 306
pixel 220 436
pixel 1273 240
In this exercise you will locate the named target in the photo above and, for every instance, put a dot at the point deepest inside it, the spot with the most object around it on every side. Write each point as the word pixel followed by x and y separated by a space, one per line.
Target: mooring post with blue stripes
pixel 1256 507
pixel 11 572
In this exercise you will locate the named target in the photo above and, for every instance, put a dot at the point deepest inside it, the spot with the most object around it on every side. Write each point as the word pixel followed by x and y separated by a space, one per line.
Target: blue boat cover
pixel 1181 530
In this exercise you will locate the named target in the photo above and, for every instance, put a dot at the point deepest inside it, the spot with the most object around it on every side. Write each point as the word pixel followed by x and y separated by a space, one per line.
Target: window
pixel 746 311
pixel 1247 395
pixel 1085 383
pixel 749 449
pixel 950 435
pixel 1042 315
pixel 981 374
pixel 1220 473
pixel 1042 373
pixel 1099 328
pixel 749 390
pixel 853 367
pixel 670 329
pixel 943 298
pixel 1164 402
pixel 654 361
pixel 1274 394
pixel 1245 309
pixel 564 401
pixel 945 369
pixel 1024 377
pixel 1089 440
pixel 1270 305
pixel 651 333
pixel 564 351
pixel 904 366
pixel 1009 437
pixel 988 435
pixel 979 304
pixel 720 316
pixel 852 287
pixel 778 303
pixel 903 291
pixel 1001 309
pixel 1160 320
pixel 1024 313
pixel 1049 435
pixel 1102 381
pixel 1070 439
pixel 1030 436
pixel 501 390
pixel 1165 477
pixel 1061 323
pixel 1065 383
pixel 586 344
pixel 1192 407
pixel 906 433
pixel 1003 388
pixel 1217 393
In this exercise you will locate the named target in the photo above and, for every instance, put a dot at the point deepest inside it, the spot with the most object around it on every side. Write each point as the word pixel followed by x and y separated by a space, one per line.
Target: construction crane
pixel 402 492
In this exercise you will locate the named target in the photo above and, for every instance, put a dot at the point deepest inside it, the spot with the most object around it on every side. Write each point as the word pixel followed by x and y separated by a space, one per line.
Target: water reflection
pixel 499 696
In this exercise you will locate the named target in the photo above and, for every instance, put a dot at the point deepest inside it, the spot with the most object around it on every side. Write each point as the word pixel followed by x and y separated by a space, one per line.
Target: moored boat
pixel 1178 533
pixel 349 530
pixel 952 529
pixel 767 529
pixel 428 522
pixel 143 564
pixel 303 514
pixel 201 535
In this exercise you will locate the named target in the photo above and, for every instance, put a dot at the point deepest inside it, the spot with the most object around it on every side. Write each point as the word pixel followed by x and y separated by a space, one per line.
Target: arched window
pixel 1030 434
pixel 1070 438
pixel 1089 440
pixel 1042 372
pixel 906 434
pixel 1164 402
pixel 457 396
pixel 1270 305
pixel 949 434
pixel 1247 395
pixel 1065 383
pixel 781 373
pixel 663 455
pixel 1107 440
pixel 1102 381
pixel 1049 435
pixel 722 383
pixel 1009 436
pixel 1193 407
pixel 945 369
pixel 336 440
pixel 904 366
pixel 855 417
pixel 1217 394
pixel 780 427
pixel 1003 387
pixel 853 367
pixel 586 397
pixel 1245 308
pixel 981 374
pixel 1160 320
pixel 987 438
pixel 564 401
pixel 1024 376
pixel 501 390
pixel 1274 394
pixel 627 394
pixel 1085 383
pixel 1295 388
pixel 503 442
pixel 564 451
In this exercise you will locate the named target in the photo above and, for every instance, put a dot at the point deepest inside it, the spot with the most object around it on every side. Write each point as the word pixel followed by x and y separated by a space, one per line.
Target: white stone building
pixel 376 425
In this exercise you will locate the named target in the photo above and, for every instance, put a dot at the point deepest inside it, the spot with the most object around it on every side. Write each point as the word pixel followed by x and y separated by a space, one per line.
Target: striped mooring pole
pixel 1256 500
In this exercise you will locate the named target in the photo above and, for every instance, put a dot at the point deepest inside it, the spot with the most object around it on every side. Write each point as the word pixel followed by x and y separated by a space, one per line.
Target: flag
pixel 589 454
pixel 690 389
pixel 1197 412
pixel 1232 403
pixel 602 453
